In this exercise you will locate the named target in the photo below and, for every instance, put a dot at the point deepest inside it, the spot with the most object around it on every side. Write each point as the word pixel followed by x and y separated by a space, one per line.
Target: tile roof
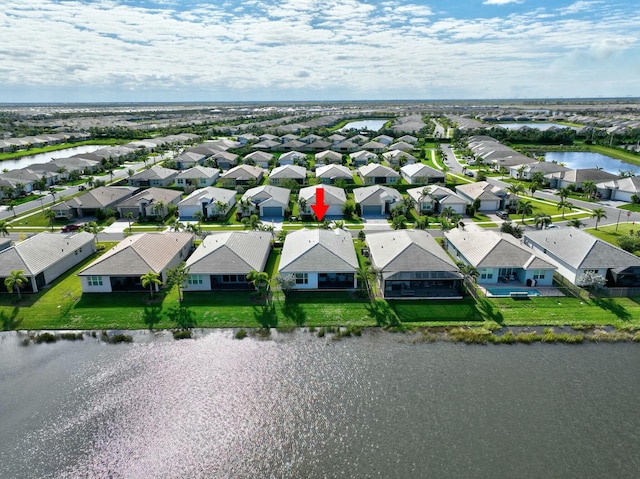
pixel 580 250
pixel 41 251
pixel 138 254
pixel 210 193
pixel 408 250
pixel 318 250
pixel 231 252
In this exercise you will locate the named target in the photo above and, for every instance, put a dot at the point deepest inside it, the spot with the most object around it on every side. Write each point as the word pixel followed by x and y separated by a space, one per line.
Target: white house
pixel 269 201
pixel 333 196
pixel 421 174
pixel 320 259
pixel 209 201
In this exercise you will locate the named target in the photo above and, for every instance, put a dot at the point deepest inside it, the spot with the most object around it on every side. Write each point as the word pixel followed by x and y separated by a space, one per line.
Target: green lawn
pixel 63 306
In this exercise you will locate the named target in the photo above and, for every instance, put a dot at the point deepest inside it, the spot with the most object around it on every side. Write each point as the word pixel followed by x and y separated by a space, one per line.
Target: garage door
pixel 371 210
pixel 272 211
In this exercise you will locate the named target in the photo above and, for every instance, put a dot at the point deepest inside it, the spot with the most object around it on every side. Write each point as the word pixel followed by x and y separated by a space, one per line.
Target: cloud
pixel 501 2
pixel 333 49
pixel 579 6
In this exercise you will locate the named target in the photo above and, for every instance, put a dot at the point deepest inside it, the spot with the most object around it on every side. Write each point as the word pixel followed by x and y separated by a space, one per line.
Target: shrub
pixel 45 338
pixel 182 334
pixel 241 334
pixel 117 338
pixel 72 336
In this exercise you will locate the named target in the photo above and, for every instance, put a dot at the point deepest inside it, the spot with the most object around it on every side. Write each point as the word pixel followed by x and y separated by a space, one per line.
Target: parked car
pixel 82 188
pixel 72 227
pixel 504 215
pixel 470 173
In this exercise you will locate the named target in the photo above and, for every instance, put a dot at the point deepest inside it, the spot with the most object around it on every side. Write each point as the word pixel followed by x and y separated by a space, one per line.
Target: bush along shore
pixel 465 334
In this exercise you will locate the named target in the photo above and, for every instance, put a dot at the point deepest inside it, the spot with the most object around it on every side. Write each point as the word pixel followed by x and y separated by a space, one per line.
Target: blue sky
pixel 267 50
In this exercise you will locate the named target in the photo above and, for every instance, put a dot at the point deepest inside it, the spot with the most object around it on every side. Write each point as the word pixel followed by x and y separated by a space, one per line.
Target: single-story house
pixel 329 174
pixel 269 201
pixel 346 146
pixel 88 203
pixel 434 198
pixel 412 264
pixel 498 257
pixel 225 160
pixel 492 198
pixel 291 145
pixel 120 268
pixel 374 146
pixel 189 159
pixel 320 259
pixel 317 146
pixel 575 178
pixel 290 158
pixel 421 174
pixel 242 175
pixel 333 196
pixel 288 172
pixel 399 158
pixel 386 140
pixel 363 157
pixel 575 252
pixel 258 158
pixel 210 201
pixel 5 243
pixel 375 174
pixel 412 140
pixel 527 170
pixel 376 200
pixel 327 157
pixel 149 202
pixel 402 146
pixel 620 189
pixel 45 256
pixel 224 259
pixel 154 176
pixel 197 177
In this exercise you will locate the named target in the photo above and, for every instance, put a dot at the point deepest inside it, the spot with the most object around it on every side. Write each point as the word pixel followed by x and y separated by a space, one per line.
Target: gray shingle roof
pixel 332 194
pixel 151 194
pixel 231 252
pixel 139 254
pixel 261 193
pixel 101 197
pixel 320 250
pixel 383 193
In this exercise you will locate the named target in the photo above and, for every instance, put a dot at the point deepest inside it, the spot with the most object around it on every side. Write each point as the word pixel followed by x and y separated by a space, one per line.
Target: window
pixel 486 273
pixel 194 279
pixel 233 278
pixel 180 181
pixel 594 271
pixel 539 274
pixel 94 280
pixel 302 278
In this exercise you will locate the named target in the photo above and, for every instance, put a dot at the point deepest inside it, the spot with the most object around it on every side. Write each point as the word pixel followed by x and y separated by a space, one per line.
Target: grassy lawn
pixel 63 306
pixel 630 207
pixel 610 234
pixel 615 153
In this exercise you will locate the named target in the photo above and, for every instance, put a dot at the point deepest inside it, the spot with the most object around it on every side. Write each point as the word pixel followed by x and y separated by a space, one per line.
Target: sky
pixel 310 50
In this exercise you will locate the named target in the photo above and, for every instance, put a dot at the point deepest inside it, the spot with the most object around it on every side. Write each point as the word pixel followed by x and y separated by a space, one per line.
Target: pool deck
pixel 548 291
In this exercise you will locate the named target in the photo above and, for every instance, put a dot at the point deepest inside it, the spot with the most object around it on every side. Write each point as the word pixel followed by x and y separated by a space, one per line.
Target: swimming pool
pixel 505 291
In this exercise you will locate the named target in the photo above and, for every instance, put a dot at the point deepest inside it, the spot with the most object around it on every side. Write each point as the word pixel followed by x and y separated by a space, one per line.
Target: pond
pixel 300 406
pixel 26 161
pixel 585 159
pixel 371 125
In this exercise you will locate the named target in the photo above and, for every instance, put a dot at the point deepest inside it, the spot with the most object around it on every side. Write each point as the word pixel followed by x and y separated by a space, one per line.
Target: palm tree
pixel 158 210
pixel 12 207
pixel 4 228
pixel 575 222
pixel 260 281
pixel 252 222
pixel 525 208
pixel 563 204
pixel 399 222
pixel 176 225
pixel 589 188
pixel 564 193
pixel 598 214
pixel 363 275
pixel 129 216
pixel 15 281
pixel 51 216
pixel 468 271
pixel 178 276
pixel 150 279
pixel 93 228
pixel 516 189
pixel 542 220
pixel 199 217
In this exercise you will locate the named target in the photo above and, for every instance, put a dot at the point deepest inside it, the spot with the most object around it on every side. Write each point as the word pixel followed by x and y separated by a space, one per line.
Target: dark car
pixel 504 215
pixel 82 188
pixel 71 227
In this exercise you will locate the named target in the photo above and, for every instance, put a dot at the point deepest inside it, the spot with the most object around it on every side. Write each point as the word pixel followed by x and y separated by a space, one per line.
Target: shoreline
pixel 451 334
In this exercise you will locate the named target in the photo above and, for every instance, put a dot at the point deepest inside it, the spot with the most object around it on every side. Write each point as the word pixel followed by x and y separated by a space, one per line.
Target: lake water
pixel 371 125
pixel 299 406
pixel 538 126
pixel 25 161
pixel 580 159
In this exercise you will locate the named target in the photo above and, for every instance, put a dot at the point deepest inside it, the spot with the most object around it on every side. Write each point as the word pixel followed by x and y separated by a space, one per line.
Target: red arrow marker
pixel 320 209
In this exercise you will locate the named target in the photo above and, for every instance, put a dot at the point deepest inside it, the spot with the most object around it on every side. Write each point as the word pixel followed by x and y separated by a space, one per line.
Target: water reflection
pixel 299 406
pixel 26 161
